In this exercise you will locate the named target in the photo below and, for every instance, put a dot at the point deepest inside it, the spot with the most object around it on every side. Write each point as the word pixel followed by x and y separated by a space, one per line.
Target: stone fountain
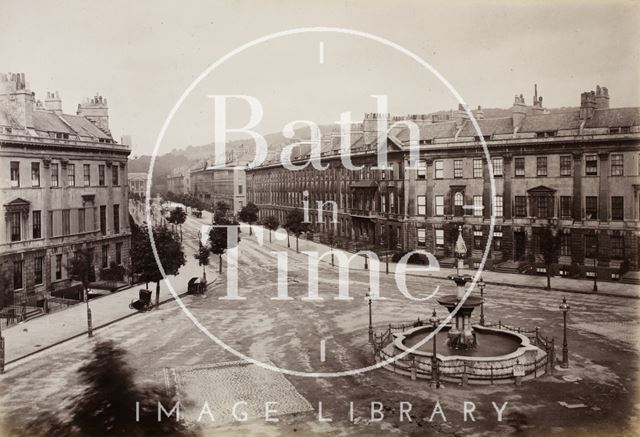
pixel 461 335
pixel 474 354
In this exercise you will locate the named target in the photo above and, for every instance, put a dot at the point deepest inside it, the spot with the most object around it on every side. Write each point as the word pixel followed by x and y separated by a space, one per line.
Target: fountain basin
pixel 493 360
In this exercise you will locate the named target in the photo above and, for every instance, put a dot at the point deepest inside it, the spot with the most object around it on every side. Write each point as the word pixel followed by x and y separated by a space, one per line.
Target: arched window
pixel 458 201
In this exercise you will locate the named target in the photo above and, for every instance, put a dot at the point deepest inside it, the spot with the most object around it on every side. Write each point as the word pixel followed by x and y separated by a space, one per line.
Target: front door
pixel 519 242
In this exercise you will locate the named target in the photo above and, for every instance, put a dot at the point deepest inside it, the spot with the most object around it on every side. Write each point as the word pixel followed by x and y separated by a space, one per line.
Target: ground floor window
pixel 565 206
pixel 38 263
pixel 477 206
pixel 118 253
pixel 617 246
pixel 58 273
pixel 439 237
pixel 477 240
pixel 521 206
pixel 565 245
pixel 497 240
pixel 590 242
pixel 17 274
pixel 422 237
pixel 105 256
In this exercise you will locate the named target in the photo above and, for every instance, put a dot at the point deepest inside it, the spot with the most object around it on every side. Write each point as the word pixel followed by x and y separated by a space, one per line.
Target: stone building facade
pixel 179 180
pixel 212 184
pixel 575 172
pixel 138 183
pixel 63 186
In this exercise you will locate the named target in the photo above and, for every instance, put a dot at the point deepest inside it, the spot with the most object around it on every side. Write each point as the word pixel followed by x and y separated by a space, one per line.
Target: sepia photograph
pixel 319 218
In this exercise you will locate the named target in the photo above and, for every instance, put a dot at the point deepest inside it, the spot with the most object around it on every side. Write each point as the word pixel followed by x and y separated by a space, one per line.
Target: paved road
pixel 288 333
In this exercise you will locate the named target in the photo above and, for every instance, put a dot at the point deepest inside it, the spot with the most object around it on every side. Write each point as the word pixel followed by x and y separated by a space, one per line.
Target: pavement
pixel 534 282
pixel 27 338
pixel 291 334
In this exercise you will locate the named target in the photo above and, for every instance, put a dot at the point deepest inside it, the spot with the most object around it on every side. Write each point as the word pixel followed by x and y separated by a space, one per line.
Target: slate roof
pixel 46 121
pixel 84 127
pixel 615 117
pixel 551 122
pixel 50 122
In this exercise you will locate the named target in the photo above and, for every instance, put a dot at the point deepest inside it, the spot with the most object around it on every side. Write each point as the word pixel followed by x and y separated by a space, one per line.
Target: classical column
pixel 577 186
pixel 636 211
pixel 429 195
pixel 486 191
pixel 409 195
pixel 506 195
pixel 603 198
pixel 45 181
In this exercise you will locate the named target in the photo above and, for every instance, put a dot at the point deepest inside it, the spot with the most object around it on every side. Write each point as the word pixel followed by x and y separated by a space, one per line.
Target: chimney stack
pixel 518 111
pixel 96 111
pixel 53 102
pixel 537 102
pixel 602 97
pixel 371 124
pixel 460 116
pixel 587 105
pixel 17 99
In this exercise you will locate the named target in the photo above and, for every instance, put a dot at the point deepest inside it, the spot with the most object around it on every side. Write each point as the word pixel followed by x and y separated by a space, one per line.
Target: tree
pixel 218 234
pixel 178 216
pixel 111 403
pixel 6 286
pixel 331 238
pixel 144 262
pixel 202 255
pixel 220 210
pixel 80 268
pixel 549 249
pixel 249 214
pixel 296 225
pixel 271 222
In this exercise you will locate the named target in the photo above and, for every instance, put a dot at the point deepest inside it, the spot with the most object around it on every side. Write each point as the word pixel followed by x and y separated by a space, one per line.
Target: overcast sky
pixel 142 55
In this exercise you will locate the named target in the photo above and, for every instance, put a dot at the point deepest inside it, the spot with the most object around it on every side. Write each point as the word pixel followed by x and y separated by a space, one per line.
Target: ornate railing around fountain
pixel 382 339
pixel 422 368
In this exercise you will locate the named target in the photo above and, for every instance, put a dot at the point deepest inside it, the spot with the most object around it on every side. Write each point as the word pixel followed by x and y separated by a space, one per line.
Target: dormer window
pixel 614 130
pixel 62 136
pixel 625 129
pixel 485 137
pixel 423 142
pixel 546 134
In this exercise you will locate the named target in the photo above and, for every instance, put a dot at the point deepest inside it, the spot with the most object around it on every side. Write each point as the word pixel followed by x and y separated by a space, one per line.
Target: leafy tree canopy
pixel 249 213
pixel 295 222
pixel 81 266
pixel 169 252
pixel 271 222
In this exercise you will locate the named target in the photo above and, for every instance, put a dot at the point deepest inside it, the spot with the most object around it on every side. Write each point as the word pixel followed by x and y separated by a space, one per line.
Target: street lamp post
pixel 595 266
pixel 1 349
pixel 481 284
pixel 370 318
pixel 331 249
pixel 564 307
pixel 435 378
pixel 89 322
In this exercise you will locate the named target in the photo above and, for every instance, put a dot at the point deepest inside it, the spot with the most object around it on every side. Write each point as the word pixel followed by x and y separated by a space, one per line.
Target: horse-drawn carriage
pixel 196 286
pixel 144 301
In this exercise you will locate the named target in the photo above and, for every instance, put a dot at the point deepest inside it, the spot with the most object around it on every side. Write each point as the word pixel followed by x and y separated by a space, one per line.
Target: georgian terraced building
pixel 575 171
pixel 63 186
pixel 212 184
